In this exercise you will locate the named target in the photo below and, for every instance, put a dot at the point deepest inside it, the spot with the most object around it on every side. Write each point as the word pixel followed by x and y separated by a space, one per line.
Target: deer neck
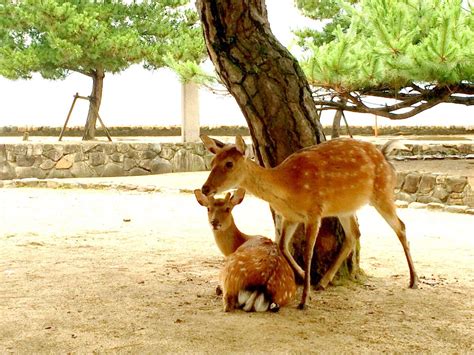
pixel 260 181
pixel 230 239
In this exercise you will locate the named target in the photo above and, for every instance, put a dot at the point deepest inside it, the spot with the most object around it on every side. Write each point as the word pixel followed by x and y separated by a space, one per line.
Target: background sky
pixel 140 97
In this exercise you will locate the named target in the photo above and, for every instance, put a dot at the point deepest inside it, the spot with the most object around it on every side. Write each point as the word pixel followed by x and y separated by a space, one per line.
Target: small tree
pixel 55 37
pixel 417 53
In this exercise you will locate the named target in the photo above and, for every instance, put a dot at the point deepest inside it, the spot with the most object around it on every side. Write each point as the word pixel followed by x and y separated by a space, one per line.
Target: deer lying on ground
pixel 256 276
pixel 331 179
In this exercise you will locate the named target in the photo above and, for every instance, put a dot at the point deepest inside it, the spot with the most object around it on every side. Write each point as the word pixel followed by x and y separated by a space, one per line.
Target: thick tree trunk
pixel 272 92
pixel 95 99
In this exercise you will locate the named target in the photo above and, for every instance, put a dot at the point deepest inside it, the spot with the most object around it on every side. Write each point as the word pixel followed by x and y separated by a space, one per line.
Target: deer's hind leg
pixel 387 210
pixel 351 231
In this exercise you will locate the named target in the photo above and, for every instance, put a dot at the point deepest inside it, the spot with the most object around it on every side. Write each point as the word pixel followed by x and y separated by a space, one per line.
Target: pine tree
pixel 57 37
pixel 419 52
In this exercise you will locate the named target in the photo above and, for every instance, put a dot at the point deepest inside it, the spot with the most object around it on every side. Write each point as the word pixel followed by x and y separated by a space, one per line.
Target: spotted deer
pixel 331 179
pixel 256 276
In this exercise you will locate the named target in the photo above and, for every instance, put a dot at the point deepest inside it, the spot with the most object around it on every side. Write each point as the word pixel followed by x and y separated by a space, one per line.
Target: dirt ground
pixel 106 271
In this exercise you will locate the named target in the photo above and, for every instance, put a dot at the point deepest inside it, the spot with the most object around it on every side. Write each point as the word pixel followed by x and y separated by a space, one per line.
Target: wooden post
pixel 376 127
pixel 105 128
pixel 77 96
pixel 68 116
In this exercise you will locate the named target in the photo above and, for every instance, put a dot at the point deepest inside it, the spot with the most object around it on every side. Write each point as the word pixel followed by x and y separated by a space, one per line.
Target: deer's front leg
pixel 287 230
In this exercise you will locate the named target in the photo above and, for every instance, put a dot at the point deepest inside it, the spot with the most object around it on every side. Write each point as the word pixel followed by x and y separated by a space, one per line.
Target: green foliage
pixel 329 11
pixel 54 37
pixel 391 43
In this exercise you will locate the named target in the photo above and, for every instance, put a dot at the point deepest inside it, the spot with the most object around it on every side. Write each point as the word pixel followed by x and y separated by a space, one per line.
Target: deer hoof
pixel 274 307
pixel 302 306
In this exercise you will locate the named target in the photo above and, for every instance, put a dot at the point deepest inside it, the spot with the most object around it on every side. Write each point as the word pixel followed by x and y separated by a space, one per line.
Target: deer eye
pixel 229 165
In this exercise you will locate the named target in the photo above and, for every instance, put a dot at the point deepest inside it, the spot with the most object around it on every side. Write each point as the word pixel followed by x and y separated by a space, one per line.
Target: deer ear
pixel 240 143
pixel 237 197
pixel 211 144
pixel 201 198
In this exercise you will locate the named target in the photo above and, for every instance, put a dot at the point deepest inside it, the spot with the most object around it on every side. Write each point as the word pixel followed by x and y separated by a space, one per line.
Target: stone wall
pixel 105 159
pixel 435 188
pixel 64 160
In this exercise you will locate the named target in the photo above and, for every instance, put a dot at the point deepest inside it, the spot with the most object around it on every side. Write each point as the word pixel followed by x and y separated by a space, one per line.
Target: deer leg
pixel 229 302
pixel 348 224
pixel 388 212
pixel 311 232
pixel 283 241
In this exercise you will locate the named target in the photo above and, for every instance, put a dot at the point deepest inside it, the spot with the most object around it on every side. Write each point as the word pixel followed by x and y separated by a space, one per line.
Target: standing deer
pixel 331 179
pixel 256 276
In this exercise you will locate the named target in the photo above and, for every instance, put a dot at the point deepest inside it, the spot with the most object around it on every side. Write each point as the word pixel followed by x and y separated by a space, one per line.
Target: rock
pixel 129 164
pixel 65 162
pixel 113 169
pixel 82 169
pixel 54 153
pixel 59 174
pixel 456 184
pixel 411 183
pixel 109 148
pixel 156 147
pixel 138 172
pixel 456 209
pixel 122 147
pixel 435 206
pixel 186 161
pixel 427 183
pixel 160 166
pixel 117 157
pixel 139 146
pixel 400 177
pixel 7 172
pixel 145 164
pixel 29 172
pixel 427 199
pixel 470 211
pixel 403 196
pixel 3 153
pixel 440 193
pixel 97 158
pixel 71 148
pixel 47 164
pixel 401 204
pixel 417 205
pixel 25 160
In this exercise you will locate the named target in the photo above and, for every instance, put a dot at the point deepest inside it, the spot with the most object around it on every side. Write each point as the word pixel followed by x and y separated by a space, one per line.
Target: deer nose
pixel 206 189
pixel 215 223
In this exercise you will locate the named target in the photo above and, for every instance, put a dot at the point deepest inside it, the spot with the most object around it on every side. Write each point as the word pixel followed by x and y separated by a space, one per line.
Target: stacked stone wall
pixel 66 160
pixel 107 159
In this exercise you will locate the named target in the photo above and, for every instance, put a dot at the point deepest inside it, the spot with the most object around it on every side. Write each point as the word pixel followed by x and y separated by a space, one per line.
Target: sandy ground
pixel 106 271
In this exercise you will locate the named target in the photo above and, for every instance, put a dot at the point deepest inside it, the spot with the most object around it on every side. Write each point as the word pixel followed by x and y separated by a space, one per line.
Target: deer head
pixel 226 167
pixel 219 211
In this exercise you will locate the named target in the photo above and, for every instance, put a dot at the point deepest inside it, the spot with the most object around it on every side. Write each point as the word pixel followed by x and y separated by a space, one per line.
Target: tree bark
pixel 336 124
pixel 273 94
pixel 95 100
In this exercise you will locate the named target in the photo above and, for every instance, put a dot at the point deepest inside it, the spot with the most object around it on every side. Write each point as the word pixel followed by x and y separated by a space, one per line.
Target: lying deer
pixel 334 178
pixel 256 276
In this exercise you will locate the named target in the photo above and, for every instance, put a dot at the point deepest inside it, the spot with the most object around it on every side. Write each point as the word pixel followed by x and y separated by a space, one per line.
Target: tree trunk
pixel 273 94
pixel 336 124
pixel 95 99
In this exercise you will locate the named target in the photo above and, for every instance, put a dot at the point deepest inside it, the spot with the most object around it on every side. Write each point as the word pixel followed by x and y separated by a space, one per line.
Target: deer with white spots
pixel 256 276
pixel 331 179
